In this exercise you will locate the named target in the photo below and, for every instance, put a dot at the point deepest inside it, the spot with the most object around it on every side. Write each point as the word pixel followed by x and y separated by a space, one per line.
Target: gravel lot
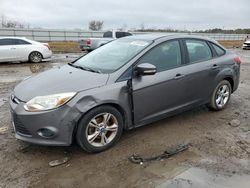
pixel 219 152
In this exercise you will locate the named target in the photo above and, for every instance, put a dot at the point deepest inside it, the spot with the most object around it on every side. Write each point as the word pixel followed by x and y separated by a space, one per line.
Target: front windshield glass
pixel 113 55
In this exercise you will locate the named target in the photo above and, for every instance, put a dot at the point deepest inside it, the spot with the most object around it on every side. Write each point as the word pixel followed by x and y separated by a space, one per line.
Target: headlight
pixel 41 103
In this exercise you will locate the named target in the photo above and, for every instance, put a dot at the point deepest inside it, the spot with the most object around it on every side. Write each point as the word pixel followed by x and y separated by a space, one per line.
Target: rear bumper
pixel 47 54
pixel 85 47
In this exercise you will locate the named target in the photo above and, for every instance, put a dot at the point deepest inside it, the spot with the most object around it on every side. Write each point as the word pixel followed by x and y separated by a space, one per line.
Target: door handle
pixel 214 67
pixel 179 76
pixel 12 48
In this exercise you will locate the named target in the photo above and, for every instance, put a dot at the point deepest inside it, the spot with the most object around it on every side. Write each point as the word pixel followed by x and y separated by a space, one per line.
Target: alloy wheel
pixel 222 96
pixel 102 129
pixel 35 57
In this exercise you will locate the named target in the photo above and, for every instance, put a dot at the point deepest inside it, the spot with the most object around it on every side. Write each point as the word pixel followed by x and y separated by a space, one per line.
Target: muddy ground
pixel 219 155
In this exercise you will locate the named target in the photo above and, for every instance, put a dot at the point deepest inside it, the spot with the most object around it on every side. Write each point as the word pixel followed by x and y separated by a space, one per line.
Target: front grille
pixel 20 128
pixel 248 44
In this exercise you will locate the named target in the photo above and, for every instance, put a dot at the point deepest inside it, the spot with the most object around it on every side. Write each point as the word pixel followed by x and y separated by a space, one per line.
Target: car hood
pixel 59 80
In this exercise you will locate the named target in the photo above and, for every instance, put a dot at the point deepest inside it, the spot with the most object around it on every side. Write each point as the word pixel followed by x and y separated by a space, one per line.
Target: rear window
pixel 127 34
pixel 119 34
pixel 20 42
pixel 218 50
pixel 198 50
pixel 122 34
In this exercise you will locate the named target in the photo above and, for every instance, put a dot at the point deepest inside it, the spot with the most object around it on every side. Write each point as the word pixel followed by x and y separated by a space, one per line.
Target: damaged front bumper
pixel 53 127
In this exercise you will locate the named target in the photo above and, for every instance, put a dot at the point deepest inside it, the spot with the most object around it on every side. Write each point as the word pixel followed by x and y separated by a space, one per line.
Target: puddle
pixel 171 167
pixel 17 72
pixel 13 72
pixel 176 172
pixel 197 178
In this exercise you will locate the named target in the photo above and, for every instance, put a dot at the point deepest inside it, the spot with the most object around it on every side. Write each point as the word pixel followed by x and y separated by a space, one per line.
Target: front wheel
pixel 221 96
pixel 99 129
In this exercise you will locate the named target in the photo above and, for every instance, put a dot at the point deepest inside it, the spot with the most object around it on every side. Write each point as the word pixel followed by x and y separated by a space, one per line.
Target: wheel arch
pixel 112 104
pixel 226 74
pixel 231 81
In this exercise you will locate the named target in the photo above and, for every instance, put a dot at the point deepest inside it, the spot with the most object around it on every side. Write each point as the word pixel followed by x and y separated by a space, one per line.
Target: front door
pixel 156 95
pixel 7 50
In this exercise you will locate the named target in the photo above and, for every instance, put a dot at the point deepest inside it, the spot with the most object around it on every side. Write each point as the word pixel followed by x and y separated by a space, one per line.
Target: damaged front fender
pixel 116 95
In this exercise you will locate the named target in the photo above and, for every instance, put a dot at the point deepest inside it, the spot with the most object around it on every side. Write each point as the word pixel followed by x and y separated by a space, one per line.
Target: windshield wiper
pixel 84 68
pixel 91 70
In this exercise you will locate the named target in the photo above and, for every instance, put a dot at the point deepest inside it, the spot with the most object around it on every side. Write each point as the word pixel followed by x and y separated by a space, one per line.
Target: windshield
pixel 112 56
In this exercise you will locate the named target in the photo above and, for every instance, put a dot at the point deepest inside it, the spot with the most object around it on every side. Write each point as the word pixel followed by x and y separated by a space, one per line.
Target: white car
pixel 246 45
pixel 23 49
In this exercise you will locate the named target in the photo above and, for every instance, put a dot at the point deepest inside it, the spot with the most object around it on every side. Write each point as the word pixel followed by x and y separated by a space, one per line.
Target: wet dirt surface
pixel 219 154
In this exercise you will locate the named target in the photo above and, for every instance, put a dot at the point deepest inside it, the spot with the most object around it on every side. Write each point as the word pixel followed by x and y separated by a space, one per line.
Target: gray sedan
pixel 125 84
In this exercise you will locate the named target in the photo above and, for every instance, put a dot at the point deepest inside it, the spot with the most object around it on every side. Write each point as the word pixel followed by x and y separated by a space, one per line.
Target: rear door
pixel 201 70
pixel 7 50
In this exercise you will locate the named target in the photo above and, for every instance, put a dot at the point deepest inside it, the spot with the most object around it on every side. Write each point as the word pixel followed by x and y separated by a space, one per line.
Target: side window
pixel 126 75
pixel 198 50
pixel 218 50
pixel 107 34
pixel 164 56
pixel 119 34
pixel 20 42
pixel 5 42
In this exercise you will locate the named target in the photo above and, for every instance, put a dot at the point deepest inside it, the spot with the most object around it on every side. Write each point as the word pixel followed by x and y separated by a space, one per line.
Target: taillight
pixel 47 45
pixel 237 60
pixel 88 41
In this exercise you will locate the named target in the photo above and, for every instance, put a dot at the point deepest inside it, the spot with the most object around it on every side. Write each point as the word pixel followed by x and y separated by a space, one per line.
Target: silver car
pixel 127 83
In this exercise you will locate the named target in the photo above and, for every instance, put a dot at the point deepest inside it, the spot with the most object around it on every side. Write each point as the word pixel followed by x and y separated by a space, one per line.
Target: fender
pixel 228 74
pixel 105 96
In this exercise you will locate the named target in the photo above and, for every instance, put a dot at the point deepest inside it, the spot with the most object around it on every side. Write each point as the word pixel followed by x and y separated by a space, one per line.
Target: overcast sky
pixel 176 14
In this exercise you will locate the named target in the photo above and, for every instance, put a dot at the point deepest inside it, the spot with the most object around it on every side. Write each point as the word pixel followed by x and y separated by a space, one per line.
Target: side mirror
pixel 145 69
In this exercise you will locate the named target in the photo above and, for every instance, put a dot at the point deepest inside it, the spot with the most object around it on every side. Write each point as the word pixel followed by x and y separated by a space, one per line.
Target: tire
pixel 221 96
pixel 35 57
pixel 93 123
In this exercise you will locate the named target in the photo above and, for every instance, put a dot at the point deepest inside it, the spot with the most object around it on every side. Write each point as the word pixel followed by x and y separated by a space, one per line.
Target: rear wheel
pixel 99 129
pixel 35 57
pixel 221 96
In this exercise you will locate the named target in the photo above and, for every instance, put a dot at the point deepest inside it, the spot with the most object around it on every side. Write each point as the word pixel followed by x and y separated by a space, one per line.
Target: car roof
pixel 159 36
pixel 10 37
pixel 147 36
pixel 22 38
